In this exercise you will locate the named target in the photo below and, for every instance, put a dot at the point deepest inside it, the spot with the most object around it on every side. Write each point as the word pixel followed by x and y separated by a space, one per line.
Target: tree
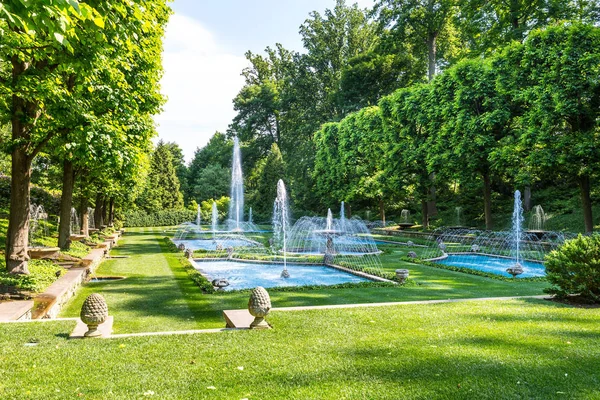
pixel 408 126
pixel 486 25
pixel 475 119
pixel 212 183
pixel 180 168
pixel 556 82
pixel 162 186
pixel 38 40
pixel 263 188
pixel 217 151
pixel 427 24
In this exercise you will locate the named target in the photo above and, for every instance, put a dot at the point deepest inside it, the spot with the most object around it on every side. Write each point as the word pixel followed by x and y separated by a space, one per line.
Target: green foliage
pixel 162 185
pixel 211 183
pixel 574 269
pixel 222 208
pixel 42 274
pixel 262 187
pixel 49 199
pixel 159 218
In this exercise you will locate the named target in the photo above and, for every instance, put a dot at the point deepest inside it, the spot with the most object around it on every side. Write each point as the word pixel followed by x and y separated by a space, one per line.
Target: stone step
pixel 15 310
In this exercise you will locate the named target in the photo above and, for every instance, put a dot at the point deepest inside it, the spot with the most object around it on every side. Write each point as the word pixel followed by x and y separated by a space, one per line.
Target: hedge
pixel 140 218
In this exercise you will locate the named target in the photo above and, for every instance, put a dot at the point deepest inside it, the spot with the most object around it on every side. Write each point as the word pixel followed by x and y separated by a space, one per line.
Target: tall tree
pixel 427 24
pixel 38 42
pixel 263 189
pixel 554 75
pixel 162 185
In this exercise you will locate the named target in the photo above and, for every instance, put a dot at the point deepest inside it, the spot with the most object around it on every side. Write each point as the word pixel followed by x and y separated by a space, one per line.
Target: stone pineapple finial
pixel 94 312
pixel 259 306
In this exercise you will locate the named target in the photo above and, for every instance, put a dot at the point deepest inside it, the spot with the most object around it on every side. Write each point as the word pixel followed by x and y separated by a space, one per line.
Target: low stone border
pixel 47 305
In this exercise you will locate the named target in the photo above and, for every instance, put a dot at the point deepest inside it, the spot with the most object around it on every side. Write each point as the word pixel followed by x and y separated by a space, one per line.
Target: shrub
pixel 574 268
pixel 42 274
pixel 140 218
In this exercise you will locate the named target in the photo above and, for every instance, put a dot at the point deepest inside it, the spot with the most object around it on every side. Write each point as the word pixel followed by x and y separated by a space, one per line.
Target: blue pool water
pixel 494 265
pixel 210 244
pixel 249 275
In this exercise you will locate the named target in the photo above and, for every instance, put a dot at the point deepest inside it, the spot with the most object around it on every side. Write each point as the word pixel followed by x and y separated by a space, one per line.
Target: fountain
pixel 214 218
pixel 537 221
pixel 281 223
pixel 75 227
pixel 198 216
pixel 38 231
pixel 236 205
pixel 508 253
pixel 250 216
pixel 516 234
pixel 91 221
pixel 347 242
pixel 404 220
pixel 458 218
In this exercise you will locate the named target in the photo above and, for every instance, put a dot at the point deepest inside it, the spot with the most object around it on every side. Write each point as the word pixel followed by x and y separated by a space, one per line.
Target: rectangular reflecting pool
pixel 494 265
pixel 242 275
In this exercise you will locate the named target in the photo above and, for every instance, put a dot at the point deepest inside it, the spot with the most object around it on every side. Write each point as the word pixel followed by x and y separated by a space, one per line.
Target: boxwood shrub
pixel 574 268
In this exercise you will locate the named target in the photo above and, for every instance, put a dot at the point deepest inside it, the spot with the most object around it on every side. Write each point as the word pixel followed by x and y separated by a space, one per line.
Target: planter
pixel 38 253
pixel 77 238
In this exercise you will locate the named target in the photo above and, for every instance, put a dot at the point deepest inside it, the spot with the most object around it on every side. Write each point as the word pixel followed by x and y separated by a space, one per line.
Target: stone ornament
pixel 93 313
pixel 412 254
pixel 181 247
pixel 189 253
pixel 410 243
pixel 402 275
pixel 259 306
pixel 475 248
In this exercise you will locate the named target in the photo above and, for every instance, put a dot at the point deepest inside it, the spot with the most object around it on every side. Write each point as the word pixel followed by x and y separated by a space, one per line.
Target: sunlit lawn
pixel 519 349
pixel 157 295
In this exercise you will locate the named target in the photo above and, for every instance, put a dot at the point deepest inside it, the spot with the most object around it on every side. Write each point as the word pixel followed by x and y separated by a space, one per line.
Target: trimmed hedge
pixel 194 275
pixel 140 218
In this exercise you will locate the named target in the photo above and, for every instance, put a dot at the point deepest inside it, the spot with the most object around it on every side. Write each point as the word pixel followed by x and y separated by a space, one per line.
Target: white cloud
pixel 200 82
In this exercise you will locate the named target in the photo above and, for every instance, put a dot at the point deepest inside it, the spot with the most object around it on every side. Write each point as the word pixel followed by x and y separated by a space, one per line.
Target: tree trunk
pixel 527 198
pixel 349 211
pixel 111 211
pixel 66 203
pixel 586 203
pixel 104 212
pixel 98 212
pixel 382 211
pixel 431 53
pixel 487 199
pixel 424 211
pixel 17 236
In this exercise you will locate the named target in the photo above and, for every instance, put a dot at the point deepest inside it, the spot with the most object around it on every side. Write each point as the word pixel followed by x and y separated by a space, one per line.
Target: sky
pixel 203 58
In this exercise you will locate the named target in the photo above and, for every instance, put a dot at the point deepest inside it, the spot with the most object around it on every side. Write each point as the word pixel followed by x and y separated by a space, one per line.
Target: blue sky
pixel 204 56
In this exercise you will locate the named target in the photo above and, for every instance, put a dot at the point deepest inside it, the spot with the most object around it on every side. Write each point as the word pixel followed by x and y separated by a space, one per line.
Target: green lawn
pixel 526 349
pixel 157 295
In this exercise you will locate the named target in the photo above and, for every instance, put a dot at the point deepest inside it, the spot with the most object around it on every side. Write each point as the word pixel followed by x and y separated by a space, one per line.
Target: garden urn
pixel 411 254
pixel 189 253
pixel 94 312
pixel 181 247
pixel 259 306
pixel 402 275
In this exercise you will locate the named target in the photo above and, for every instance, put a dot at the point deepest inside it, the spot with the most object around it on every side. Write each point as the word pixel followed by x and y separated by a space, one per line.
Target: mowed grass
pixel 157 295
pixel 517 349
